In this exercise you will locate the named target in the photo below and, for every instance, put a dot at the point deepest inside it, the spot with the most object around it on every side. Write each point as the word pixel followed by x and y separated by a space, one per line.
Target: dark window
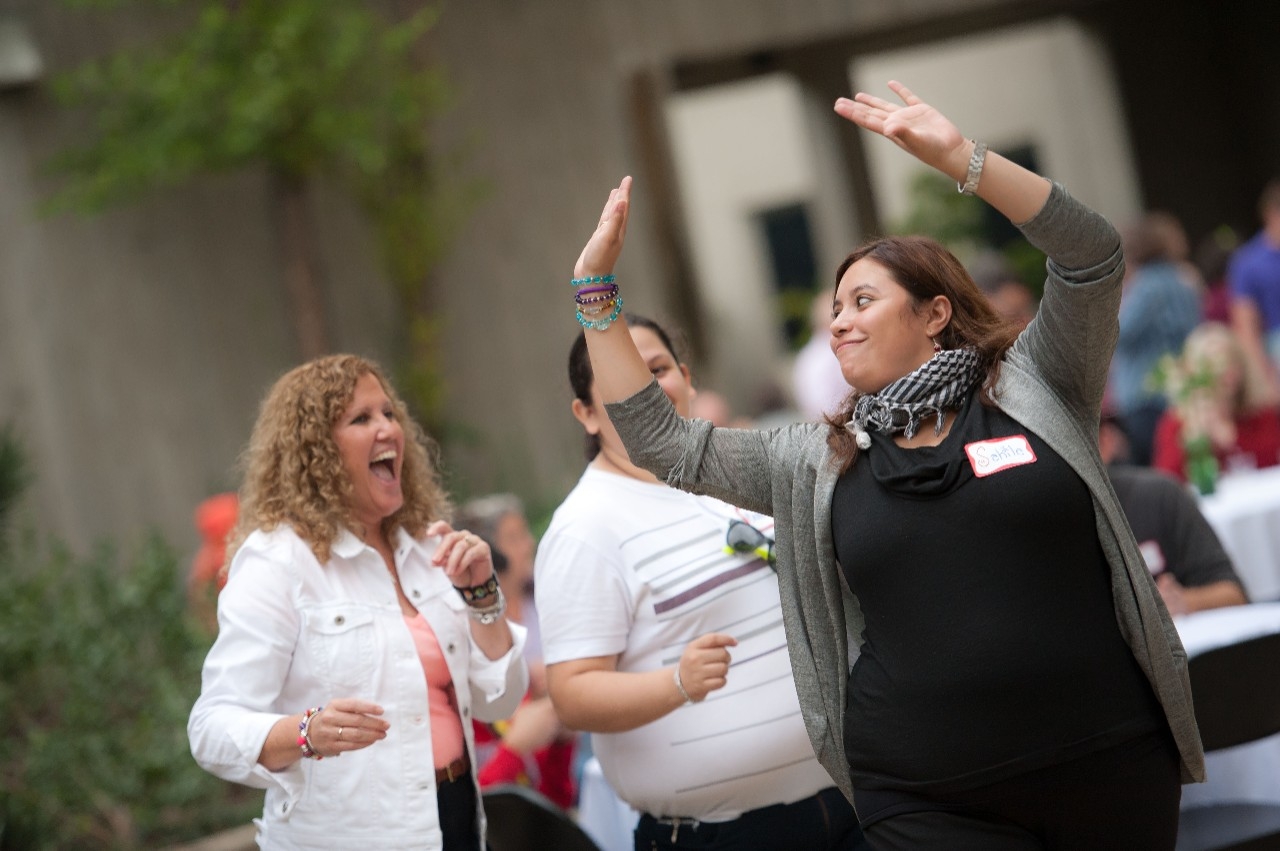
pixel 790 245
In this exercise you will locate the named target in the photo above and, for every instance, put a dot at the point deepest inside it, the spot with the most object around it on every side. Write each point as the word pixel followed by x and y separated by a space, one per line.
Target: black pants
pixel 1121 799
pixel 456 802
pixel 823 822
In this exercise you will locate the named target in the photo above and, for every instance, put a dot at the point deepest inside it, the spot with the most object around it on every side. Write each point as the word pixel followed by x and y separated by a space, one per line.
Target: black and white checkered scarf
pixel 939 383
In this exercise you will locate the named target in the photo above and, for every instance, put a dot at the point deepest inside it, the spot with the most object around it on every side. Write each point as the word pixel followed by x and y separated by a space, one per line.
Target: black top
pixel 1173 534
pixel 991 645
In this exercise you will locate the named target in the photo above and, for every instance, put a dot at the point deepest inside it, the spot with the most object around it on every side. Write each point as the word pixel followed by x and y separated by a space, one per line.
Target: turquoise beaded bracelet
pixel 591 279
pixel 601 324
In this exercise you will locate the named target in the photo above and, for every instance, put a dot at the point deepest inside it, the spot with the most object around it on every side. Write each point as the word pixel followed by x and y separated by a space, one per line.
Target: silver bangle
pixel 680 686
pixel 976 161
pixel 490 613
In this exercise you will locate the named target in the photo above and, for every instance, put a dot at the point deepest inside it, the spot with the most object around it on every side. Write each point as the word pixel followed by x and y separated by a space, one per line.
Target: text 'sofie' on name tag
pixel 1000 453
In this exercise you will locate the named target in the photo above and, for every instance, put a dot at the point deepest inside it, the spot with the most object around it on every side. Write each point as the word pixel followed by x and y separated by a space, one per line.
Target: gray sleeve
pixel 1071 340
pixel 735 465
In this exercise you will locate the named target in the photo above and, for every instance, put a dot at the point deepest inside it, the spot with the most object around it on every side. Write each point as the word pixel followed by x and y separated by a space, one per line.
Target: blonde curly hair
pixel 293 471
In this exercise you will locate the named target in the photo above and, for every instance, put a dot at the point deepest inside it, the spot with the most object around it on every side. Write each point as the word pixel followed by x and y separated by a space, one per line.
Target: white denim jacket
pixel 294 633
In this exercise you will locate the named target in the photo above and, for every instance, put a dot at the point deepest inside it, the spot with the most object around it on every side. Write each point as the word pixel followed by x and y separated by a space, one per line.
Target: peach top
pixel 446 725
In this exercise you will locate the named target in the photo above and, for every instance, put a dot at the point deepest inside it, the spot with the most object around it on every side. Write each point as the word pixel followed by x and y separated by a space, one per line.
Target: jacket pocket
pixel 342 641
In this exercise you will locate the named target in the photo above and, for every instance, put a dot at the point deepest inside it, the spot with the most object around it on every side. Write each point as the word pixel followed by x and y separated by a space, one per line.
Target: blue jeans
pixel 823 822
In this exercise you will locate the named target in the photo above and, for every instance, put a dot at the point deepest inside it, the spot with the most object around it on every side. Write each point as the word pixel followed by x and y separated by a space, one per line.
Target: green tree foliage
pixel 308 89
pixel 938 210
pixel 961 224
pixel 99 666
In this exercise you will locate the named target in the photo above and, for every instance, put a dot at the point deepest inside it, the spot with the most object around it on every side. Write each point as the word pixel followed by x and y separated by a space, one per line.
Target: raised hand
pixel 601 251
pixel 914 126
pixel 704 665
pixel 464 556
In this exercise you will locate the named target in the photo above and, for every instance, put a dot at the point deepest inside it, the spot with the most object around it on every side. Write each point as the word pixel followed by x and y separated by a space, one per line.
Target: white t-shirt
pixel 639 570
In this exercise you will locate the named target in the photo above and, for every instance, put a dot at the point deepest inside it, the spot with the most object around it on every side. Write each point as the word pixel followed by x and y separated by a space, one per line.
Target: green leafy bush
pixel 99 665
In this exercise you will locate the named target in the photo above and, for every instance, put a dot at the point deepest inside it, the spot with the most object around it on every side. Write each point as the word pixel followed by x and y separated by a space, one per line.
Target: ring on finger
pixel 340 729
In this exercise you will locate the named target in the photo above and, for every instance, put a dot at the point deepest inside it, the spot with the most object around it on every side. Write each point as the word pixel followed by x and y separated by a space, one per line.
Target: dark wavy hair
pixel 925 269
pixel 581 376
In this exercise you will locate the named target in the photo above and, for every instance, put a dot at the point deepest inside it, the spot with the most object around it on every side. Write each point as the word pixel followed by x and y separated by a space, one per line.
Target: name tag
pixel 1001 453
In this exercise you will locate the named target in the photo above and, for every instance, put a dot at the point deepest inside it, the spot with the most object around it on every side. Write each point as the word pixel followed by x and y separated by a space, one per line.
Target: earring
pixel 936 348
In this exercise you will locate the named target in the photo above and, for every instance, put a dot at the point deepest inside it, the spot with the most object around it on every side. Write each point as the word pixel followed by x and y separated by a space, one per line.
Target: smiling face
pixel 370 441
pixel 879 332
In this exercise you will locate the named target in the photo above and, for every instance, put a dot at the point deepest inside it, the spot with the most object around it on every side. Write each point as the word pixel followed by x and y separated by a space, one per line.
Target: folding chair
pixel 522 819
pixel 1236 689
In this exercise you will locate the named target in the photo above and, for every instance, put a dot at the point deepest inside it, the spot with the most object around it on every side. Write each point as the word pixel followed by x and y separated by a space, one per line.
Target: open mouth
pixel 384 466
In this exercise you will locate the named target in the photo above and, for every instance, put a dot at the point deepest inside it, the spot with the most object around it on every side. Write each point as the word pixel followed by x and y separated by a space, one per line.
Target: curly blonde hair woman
pixel 294 475
pixel 355 621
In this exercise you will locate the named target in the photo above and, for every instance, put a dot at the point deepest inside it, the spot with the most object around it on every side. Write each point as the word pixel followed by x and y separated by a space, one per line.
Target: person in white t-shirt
pixel 816 381
pixel 663 637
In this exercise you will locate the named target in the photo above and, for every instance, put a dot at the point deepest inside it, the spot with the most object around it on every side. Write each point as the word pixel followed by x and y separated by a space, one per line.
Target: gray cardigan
pixel 1051 381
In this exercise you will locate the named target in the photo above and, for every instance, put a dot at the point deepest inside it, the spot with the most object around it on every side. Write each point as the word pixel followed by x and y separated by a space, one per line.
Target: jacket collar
pixel 348 546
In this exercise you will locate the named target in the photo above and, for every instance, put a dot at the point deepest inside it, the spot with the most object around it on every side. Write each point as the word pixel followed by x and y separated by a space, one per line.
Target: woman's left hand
pixel 914 126
pixel 464 556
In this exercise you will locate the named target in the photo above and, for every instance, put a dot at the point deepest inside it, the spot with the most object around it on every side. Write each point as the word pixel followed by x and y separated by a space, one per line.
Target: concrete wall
pixel 1063 102
pixel 135 345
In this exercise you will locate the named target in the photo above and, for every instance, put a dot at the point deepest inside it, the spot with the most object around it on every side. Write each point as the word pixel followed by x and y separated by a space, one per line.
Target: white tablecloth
pixel 1248 772
pixel 1245 512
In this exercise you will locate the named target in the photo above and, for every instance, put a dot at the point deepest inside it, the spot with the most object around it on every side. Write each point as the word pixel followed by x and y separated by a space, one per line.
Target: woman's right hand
pixel 347 724
pixel 600 254
pixel 704 664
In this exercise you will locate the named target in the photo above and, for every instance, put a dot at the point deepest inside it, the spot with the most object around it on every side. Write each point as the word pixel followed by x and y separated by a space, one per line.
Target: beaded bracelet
pixel 489 614
pixel 478 593
pixel 591 311
pixel 600 324
pixel 596 294
pixel 591 279
pixel 304 733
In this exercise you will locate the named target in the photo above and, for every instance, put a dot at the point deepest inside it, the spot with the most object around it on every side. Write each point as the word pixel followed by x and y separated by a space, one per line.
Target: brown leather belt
pixel 454 770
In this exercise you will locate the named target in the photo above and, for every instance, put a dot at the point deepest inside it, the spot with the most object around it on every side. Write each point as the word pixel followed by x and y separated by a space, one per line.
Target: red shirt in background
pixel 1257 435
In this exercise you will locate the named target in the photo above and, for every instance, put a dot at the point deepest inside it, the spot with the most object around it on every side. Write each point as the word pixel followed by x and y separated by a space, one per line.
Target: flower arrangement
pixel 1193 383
